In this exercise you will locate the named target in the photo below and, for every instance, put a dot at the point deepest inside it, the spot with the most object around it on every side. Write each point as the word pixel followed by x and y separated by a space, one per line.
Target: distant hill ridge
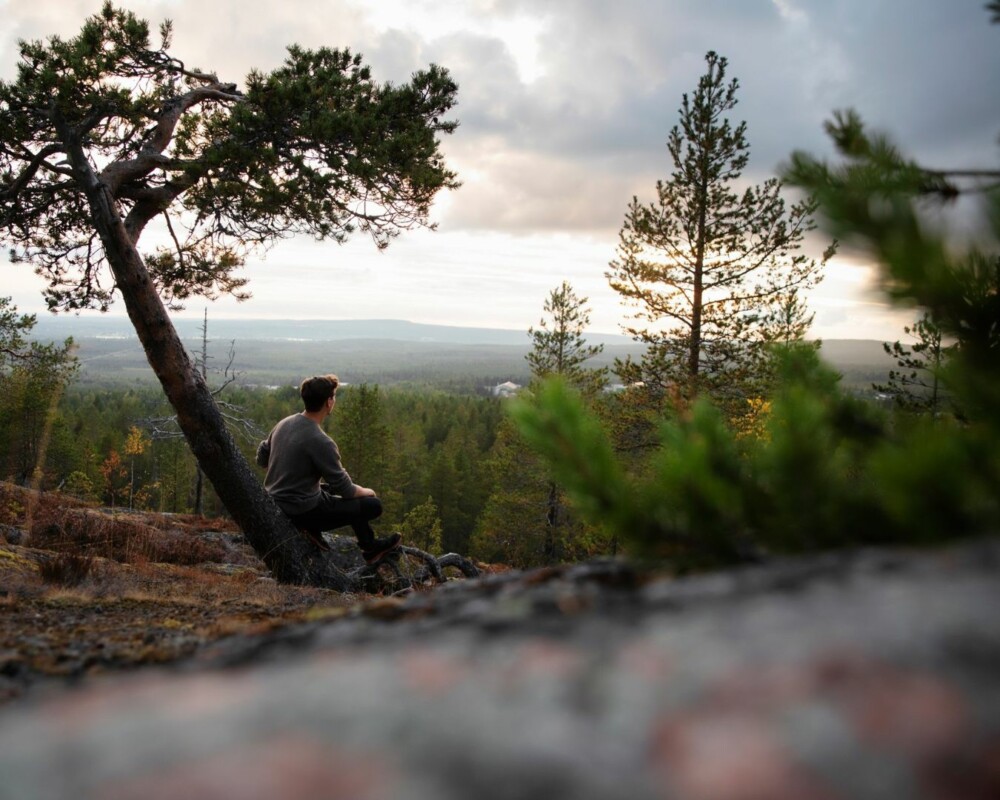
pixel 59 327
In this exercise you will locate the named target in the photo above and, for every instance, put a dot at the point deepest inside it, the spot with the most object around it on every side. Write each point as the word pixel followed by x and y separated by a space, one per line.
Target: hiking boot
pixel 380 548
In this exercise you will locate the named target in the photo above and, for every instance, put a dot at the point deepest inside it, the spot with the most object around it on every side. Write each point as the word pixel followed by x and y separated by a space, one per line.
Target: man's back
pixel 298 454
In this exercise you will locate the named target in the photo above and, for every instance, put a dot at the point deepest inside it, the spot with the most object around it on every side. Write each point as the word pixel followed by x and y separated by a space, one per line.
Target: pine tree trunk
pixel 698 297
pixel 289 556
pixel 551 523
pixel 199 475
pixel 198 481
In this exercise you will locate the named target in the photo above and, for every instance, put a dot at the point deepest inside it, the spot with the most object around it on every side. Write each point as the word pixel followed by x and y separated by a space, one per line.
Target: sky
pixel 564 109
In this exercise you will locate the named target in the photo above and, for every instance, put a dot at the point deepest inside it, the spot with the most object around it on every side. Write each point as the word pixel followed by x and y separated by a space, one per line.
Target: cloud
pixel 608 80
pixel 592 124
pixel 524 191
pixel 223 36
pixel 565 106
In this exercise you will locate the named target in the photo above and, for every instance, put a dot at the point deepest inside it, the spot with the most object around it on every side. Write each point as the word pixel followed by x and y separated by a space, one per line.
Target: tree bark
pixel 551 523
pixel 698 299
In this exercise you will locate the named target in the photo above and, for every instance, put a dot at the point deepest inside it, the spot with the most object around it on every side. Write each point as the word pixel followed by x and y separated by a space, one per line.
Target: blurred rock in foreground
pixel 866 675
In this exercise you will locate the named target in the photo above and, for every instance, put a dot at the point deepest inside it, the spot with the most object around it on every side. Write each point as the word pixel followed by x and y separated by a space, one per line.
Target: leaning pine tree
pixel 104 136
pixel 711 271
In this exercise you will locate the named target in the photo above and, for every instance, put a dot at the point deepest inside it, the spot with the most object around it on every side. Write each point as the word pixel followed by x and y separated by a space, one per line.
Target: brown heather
pixel 87 589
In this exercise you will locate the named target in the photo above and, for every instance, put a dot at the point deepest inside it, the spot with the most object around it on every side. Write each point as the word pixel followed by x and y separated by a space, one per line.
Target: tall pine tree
pixel 709 269
pixel 526 520
pixel 916 384
pixel 558 344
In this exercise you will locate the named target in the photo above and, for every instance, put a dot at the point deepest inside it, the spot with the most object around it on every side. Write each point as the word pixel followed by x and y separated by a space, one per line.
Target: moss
pixel 12 560
pixel 319 613
pixel 68 598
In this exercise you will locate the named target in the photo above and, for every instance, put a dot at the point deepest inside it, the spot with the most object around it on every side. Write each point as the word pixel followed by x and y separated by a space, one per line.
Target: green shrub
pixel 830 471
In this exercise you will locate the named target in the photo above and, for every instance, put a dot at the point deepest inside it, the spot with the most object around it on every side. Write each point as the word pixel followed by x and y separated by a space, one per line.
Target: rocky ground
pixel 72 634
pixel 872 674
pixel 86 591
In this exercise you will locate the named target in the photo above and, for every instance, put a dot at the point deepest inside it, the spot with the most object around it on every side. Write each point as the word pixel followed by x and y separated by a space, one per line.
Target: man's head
pixel 317 390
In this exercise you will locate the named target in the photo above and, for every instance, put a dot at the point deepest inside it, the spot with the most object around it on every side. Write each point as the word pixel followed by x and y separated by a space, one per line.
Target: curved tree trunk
pixel 289 556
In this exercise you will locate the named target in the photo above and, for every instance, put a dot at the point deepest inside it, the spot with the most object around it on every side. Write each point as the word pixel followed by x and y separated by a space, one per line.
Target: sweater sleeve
pixel 264 453
pixel 337 479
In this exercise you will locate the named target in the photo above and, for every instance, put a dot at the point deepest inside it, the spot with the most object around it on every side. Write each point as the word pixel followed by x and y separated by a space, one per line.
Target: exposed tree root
pixel 406 569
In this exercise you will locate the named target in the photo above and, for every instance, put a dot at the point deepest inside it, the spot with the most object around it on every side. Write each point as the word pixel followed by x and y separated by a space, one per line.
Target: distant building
pixel 613 388
pixel 507 389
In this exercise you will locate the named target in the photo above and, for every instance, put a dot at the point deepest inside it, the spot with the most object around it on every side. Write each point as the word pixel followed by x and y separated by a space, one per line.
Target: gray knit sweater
pixel 298 455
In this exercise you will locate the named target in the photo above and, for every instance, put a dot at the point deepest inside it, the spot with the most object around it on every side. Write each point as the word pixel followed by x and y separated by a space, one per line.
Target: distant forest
pixel 417 420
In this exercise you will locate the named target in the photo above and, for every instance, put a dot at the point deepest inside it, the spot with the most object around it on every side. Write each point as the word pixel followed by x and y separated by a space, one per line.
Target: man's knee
pixel 371 507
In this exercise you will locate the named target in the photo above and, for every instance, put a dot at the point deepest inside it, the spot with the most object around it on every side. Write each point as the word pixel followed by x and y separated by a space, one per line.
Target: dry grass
pixel 124 537
pixel 83 588
pixel 64 524
pixel 66 569
pixel 138 556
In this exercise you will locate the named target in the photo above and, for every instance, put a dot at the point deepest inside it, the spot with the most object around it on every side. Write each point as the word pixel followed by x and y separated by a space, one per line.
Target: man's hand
pixel 361 491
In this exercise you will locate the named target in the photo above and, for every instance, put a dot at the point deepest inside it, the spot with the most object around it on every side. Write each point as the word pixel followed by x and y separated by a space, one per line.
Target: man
pixel 298 455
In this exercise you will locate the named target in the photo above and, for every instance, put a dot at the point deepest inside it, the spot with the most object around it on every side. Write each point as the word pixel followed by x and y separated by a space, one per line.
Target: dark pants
pixel 335 512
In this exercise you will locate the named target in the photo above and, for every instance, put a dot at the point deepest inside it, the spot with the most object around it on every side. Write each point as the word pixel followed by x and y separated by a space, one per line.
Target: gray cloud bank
pixel 564 110
pixel 566 149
